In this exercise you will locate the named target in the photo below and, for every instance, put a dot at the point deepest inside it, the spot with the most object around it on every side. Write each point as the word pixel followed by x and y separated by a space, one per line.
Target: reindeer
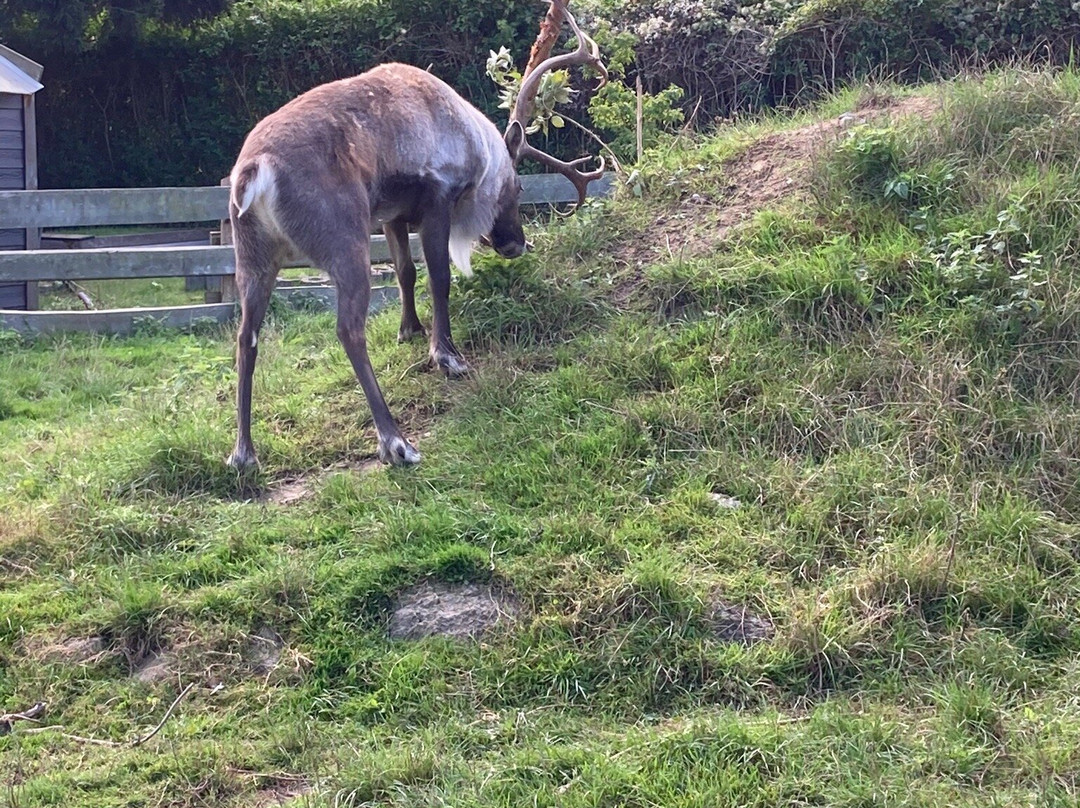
pixel 393 147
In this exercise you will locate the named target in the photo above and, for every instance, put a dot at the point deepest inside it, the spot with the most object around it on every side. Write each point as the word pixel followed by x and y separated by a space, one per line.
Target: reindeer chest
pixel 411 199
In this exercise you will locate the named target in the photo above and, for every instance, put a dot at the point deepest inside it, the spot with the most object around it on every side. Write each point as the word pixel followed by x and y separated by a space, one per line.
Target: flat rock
pixel 155 668
pixel 459 611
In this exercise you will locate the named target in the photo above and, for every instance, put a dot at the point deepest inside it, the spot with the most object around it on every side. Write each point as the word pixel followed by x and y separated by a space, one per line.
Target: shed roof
pixel 14 80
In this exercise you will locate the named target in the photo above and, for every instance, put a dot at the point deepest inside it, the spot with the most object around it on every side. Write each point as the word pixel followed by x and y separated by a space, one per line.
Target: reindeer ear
pixel 515 139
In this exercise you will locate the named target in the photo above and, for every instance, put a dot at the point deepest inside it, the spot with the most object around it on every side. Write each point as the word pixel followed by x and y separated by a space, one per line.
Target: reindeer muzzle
pixel 513 249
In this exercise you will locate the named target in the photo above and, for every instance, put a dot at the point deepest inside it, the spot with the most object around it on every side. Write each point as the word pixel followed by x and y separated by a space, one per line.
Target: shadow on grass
pixel 183 471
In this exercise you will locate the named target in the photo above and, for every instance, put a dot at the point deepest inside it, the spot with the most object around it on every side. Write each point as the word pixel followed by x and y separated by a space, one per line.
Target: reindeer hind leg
pixel 256 270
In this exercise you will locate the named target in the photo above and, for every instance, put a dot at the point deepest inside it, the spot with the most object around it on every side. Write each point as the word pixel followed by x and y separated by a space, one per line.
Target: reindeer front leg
pixel 435 240
pixel 397 239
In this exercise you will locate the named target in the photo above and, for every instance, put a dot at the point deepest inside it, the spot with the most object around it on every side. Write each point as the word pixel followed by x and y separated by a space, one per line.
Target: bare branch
pixel 164 718
pixel 138 740
pixel 31 714
pixel 545 40
pixel 587 53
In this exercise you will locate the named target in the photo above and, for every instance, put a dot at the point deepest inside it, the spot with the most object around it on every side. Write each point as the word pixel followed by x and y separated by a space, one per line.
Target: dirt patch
pixel 68 651
pixel 262 651
pixel 281 793
pixel 774 168
pixel 155 668
pixel 289 492
pixel 295 489
pixel 738 624
pixel 459 611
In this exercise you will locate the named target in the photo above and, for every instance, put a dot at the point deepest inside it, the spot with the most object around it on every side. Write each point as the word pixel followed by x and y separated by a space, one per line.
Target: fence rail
pixel 156 206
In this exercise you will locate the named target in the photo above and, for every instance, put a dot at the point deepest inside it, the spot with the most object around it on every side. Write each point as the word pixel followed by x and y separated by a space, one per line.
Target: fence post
pixel 227 292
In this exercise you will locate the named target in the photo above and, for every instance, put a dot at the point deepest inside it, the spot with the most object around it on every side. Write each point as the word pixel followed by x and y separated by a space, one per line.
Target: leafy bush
pixel 827 42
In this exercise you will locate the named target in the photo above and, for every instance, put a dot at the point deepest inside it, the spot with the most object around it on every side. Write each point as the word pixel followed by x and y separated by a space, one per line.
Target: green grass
pixel 120 294
pixel 893 406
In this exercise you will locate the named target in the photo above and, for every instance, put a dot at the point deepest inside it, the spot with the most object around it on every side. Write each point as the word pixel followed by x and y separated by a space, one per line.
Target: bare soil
pixel 284 792
pixel 774 169
pixel 735 623
pixel 296 489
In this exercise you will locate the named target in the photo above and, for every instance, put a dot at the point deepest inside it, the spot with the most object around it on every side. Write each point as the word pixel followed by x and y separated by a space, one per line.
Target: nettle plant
pixel 996 267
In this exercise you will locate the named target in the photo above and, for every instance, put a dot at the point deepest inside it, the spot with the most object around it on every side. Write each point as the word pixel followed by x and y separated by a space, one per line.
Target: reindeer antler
pixel 541 62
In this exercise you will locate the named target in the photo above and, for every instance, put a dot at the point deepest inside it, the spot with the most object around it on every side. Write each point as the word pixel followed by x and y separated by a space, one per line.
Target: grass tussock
pixel 791 518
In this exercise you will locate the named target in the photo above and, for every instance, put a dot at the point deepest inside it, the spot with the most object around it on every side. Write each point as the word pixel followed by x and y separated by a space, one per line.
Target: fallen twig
pixel 7 562
pixel 164 718
pixel 281 776
pixel 80 293
pixel 31 714
pixel 136 741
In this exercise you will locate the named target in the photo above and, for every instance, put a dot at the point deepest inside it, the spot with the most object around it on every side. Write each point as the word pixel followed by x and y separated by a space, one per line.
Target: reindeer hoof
pixel 410 333
pixel 243 459
pixel 398 452
pixel 451 364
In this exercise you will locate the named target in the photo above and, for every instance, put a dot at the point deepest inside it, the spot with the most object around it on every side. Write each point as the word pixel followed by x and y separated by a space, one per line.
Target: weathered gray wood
pixel 12 158
pixel 84 241
pixel 32 210
pixel 150 262
pixel 10 101
pixel 553 189
pixel 326 296
pixel 12 296
pixel 106 263
pixel 30 148
pixel 11 120
pixel 125 321
pixel 111 206
pixel 30 182
pixel 11 140
pixel 112 321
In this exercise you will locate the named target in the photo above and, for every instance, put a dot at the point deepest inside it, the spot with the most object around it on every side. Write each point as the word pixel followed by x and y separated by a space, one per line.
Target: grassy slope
pixel 897 419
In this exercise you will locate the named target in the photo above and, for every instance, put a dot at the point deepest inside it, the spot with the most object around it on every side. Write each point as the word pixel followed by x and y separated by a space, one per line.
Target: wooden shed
pixel 19 82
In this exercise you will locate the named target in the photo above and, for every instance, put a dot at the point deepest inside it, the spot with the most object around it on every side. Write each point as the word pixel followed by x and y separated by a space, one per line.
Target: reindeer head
pixel 507 236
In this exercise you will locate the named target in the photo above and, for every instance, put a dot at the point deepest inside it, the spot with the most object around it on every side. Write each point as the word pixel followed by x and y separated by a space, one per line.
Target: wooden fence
pixel 140 206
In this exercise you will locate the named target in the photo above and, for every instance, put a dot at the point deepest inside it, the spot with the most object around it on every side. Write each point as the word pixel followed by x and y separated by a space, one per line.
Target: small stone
pixel 155 668
pixel 263 650
pixel 724 501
